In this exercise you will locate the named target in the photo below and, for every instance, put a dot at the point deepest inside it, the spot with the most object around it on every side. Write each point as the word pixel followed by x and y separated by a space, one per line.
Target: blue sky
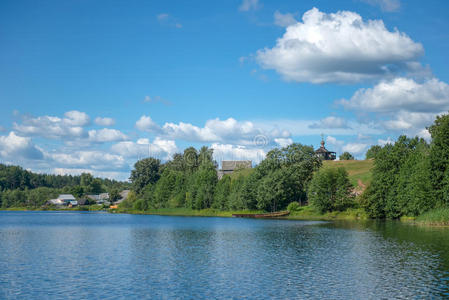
pixel 95 85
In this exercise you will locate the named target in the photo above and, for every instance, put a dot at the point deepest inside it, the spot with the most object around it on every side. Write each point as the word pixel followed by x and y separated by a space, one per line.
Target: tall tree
pixel 439 159
pixel 146 171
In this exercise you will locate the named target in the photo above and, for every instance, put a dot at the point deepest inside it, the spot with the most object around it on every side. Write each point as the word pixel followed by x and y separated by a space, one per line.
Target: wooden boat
pixel 266 215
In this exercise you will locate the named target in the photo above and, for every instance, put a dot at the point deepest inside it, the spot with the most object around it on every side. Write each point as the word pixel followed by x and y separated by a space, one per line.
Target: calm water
pixel 54 255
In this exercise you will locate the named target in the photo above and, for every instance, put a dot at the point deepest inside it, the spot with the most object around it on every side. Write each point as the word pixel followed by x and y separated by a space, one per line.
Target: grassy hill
pixel 357 169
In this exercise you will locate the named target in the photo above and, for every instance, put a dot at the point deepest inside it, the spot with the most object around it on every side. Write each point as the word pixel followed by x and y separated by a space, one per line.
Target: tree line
pixel 410 177
pixel 22 188
pixel 190 180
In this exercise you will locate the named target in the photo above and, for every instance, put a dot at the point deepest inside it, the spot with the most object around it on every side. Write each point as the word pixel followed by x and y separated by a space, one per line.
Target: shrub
pixel 293 206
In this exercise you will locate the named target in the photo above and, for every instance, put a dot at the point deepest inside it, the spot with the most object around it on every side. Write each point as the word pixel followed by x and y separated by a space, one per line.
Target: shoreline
pixel 305 214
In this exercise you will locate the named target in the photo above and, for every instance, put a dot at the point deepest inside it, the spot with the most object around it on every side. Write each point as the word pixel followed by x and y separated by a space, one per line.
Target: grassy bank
pixel 434 217
pixel 309 213
pixel 187 212
pixel 304 213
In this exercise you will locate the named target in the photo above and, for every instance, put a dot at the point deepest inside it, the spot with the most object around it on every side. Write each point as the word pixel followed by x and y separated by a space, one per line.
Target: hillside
pixel 357 170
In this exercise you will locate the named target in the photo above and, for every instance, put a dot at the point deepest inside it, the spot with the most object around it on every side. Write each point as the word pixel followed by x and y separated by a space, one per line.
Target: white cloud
pixel 338 47
pixel 145 123
pixel 330 122
pixel 14 147
pixel 159 148
pixel 355 149
pixel 382 142
pixel 282 142
pixel 401 94
pixel 54 127
pixel 385 5
pixel 402 104
pixel 236 152
pixel 76 118
pixel 248 5
pixel 284 20
pixel 104 121
pixel 106 135
pixel 215 130
pixel 96 160
pixel 333 141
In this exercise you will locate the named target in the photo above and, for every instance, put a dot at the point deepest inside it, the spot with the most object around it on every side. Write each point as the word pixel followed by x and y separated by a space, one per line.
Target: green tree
pixel 146 171
pixel 439 159
pixel 222 191
pixel 77 191
pixel 346 156
pixel 330 189
pixel 114 195
pixel 372 151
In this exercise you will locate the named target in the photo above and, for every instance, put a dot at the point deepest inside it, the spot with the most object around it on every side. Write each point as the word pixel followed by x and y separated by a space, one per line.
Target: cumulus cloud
pixel 403 104
pixel 236 152
pixel 248 5
pixel 385 5
pixel 106 135
pixel 284 20
pixel 215 130
pixel 383 142
pixel 160 148
pixel 330 122
pixel 145 123
pixel 282 142
pixel 13 146
pixel 104 121
pixel 401 94
pixel 339 47
pixel 54 127
pixel 97 160
pixel 355 149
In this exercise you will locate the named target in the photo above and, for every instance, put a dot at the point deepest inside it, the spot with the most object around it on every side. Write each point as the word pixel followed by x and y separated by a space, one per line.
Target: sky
pixel 94 86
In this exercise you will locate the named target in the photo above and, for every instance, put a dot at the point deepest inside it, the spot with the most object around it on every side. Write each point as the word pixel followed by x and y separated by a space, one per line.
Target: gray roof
pixel 230 165
pixel 66 197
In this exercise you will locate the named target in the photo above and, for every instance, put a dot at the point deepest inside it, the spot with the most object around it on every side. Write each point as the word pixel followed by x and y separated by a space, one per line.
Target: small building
pixel 229 166
pixel 94 197
pixel 325 154
pixel 66 198
pixel 83 201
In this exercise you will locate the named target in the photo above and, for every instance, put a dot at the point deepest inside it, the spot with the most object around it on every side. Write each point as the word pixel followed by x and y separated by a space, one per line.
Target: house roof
pixel 230 165
pixel 66 197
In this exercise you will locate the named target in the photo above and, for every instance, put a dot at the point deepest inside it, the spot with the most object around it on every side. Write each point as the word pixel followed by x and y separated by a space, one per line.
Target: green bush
pixel 330 190
pixel 293 206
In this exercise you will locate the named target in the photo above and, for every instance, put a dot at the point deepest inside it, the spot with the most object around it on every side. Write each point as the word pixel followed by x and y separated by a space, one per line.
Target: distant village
pixel 68 200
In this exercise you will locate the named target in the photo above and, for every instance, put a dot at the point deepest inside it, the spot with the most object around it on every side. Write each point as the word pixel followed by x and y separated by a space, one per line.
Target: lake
pixel 82 255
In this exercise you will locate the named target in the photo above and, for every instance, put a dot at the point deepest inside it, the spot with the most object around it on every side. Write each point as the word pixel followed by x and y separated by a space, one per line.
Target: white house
pixel 66 198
